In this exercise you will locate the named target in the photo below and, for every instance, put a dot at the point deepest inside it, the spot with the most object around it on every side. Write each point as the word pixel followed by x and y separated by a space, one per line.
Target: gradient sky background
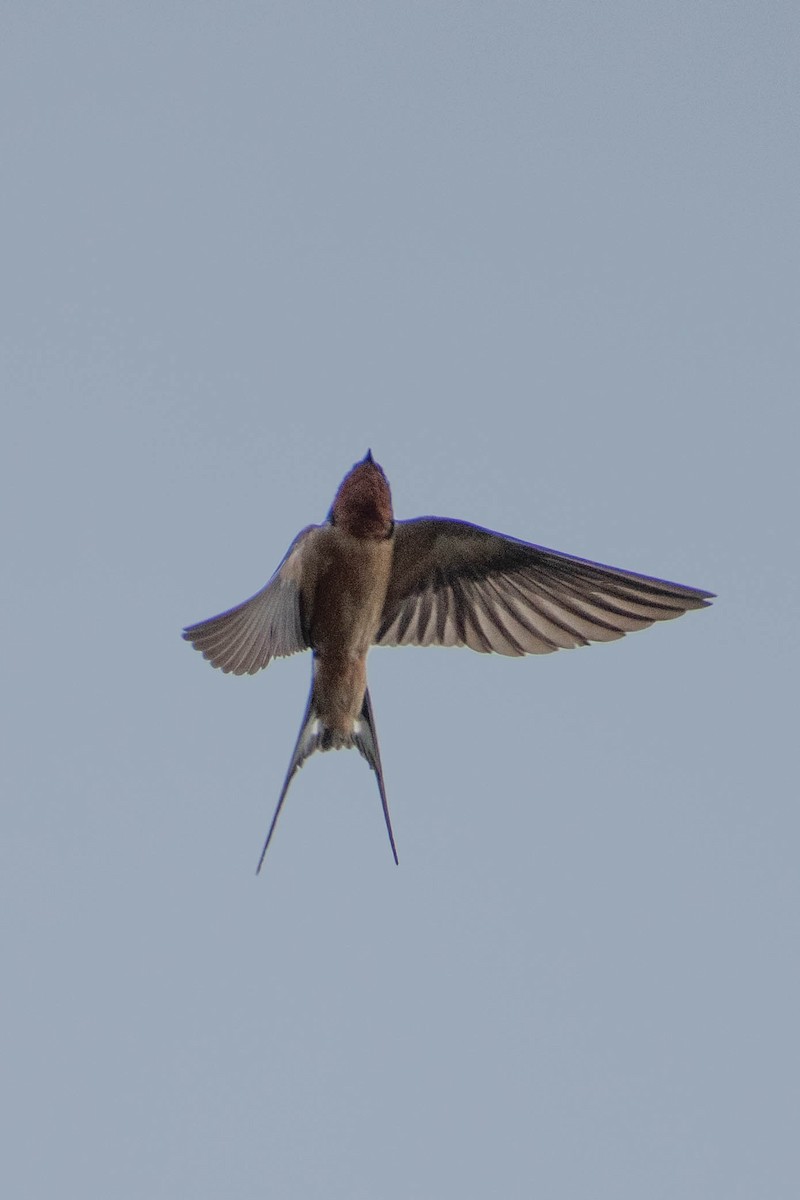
pixel 543 259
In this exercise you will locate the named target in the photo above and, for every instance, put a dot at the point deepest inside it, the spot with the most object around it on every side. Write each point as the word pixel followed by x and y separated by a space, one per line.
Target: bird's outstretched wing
pixel 455 584
pixel 268 625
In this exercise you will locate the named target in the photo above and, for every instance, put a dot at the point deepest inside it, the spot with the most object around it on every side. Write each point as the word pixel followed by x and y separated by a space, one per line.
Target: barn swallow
pixel 363 579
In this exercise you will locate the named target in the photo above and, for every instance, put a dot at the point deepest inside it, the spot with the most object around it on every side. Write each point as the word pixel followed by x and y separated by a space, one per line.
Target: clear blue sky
pixel 543 259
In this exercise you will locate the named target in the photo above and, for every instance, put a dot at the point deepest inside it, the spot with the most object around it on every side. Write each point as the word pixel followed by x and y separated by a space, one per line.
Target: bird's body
pixel 351 575
pixel 362 579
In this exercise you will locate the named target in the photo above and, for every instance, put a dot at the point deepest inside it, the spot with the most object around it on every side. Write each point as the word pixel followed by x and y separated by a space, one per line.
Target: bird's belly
pixel 349 593
pixel 339 687
pixel 348 603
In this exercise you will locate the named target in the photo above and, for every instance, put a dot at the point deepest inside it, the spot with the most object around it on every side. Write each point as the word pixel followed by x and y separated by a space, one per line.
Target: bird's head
pixel 363 504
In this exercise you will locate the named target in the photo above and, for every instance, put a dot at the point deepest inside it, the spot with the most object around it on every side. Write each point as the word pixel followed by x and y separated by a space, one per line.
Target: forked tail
pixel 315 736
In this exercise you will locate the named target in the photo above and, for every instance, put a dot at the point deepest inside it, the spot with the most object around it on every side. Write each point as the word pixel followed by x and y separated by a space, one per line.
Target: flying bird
pixel 362 579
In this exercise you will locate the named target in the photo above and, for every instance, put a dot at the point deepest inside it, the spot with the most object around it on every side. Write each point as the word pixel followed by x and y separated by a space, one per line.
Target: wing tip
pixel 700 599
